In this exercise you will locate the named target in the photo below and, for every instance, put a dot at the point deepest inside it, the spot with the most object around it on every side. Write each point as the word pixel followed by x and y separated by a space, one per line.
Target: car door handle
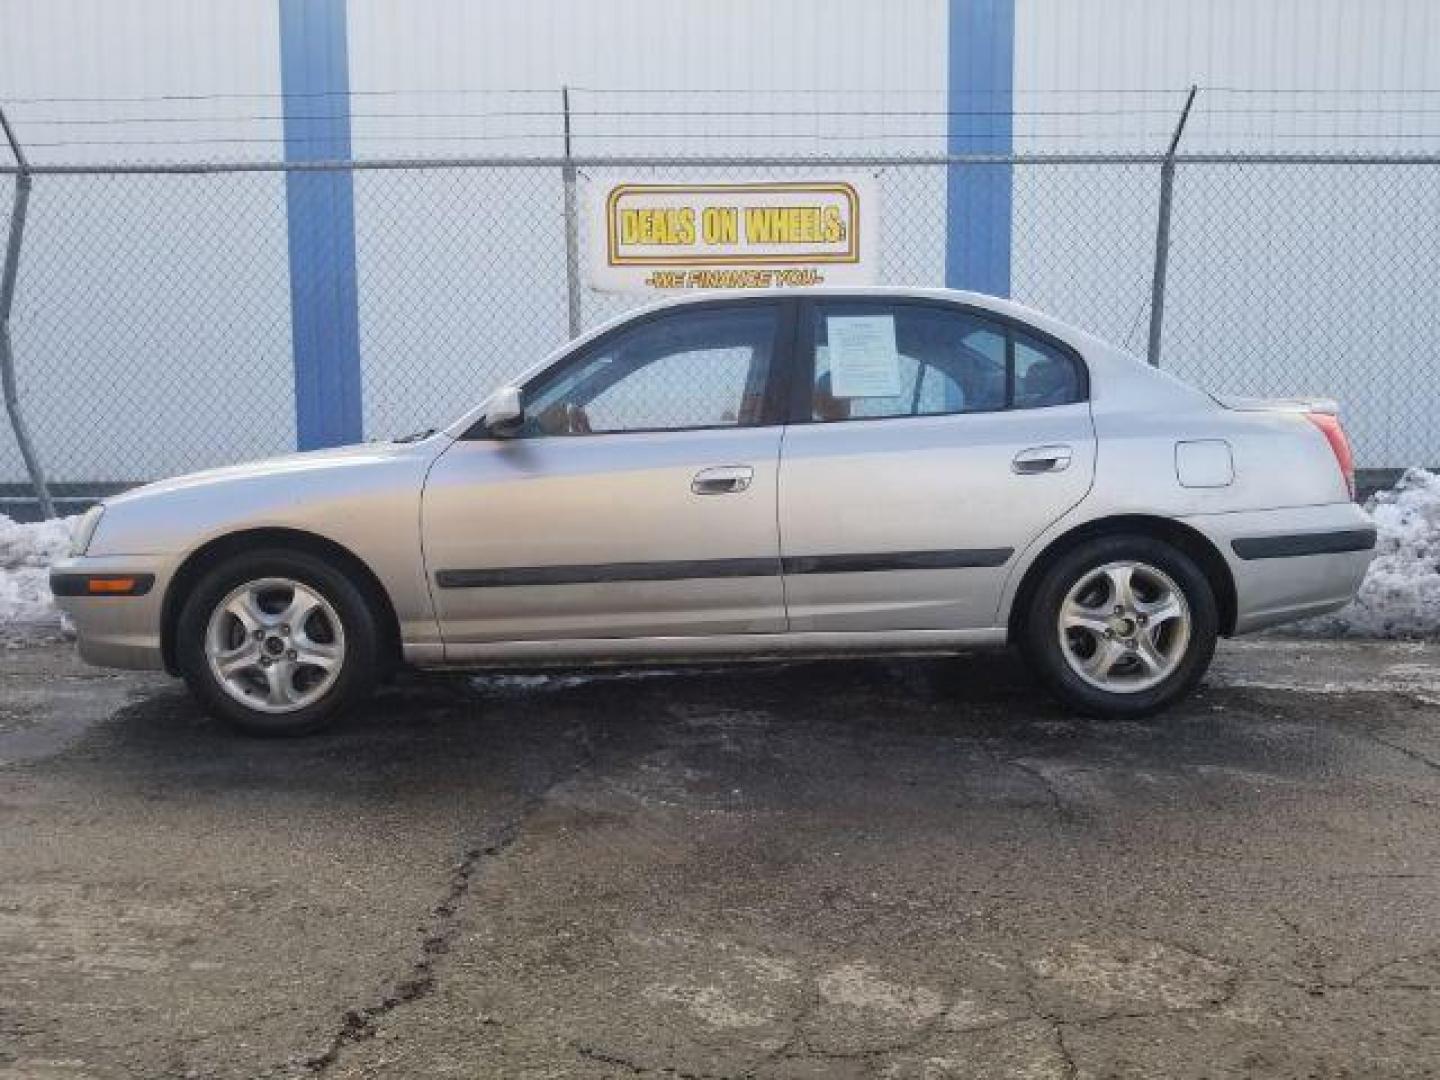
pixel 722 480
pixel 1041 459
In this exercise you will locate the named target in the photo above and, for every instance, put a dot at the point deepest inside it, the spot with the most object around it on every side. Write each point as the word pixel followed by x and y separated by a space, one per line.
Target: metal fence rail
pixel 151 318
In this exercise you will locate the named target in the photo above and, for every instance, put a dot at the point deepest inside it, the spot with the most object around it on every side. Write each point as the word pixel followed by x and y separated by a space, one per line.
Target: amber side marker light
pixel 63 583
pixel 111 586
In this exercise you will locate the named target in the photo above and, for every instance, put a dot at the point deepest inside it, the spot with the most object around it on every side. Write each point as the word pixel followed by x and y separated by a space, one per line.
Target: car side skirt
pixel 731 647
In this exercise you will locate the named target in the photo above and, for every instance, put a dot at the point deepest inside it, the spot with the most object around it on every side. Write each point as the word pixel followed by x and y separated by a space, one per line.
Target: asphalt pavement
pixel 908 868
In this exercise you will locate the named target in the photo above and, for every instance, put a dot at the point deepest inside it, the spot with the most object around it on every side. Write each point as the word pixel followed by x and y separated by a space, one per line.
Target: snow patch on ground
pixel 26 552
pixel 1329 666
pixel 545 682
pixel 1400 597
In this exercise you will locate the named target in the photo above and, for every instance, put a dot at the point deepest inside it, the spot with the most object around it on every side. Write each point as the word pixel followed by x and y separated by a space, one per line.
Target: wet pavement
pixel 890 869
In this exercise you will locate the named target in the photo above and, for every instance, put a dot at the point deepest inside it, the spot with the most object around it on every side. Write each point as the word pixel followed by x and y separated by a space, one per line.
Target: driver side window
pixel 689 369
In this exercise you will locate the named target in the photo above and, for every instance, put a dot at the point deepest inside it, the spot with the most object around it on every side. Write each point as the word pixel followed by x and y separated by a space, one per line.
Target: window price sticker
pixel 864 362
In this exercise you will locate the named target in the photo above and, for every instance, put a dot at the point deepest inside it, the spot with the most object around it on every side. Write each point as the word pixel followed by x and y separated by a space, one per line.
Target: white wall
pixel 1282 280
pixel 107 80
pixel 151 320
pixel 486 251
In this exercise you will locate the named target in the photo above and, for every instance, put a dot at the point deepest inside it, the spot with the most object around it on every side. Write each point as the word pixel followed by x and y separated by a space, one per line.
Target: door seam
pixel 779 536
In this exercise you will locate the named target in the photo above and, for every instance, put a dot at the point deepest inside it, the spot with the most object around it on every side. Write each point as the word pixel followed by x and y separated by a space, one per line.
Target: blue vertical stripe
pixel 979 103
pixel 324 306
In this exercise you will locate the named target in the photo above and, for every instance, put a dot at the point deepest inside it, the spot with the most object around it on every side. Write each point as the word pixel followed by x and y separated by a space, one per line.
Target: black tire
pixel 1039 636
pixel 358 667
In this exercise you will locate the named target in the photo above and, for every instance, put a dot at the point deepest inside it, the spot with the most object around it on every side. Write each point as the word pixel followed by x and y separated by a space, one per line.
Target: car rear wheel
pixel 1121 625
pixel 277 642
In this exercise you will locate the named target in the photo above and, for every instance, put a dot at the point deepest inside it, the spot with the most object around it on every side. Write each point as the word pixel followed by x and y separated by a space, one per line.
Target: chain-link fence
pixel 152 310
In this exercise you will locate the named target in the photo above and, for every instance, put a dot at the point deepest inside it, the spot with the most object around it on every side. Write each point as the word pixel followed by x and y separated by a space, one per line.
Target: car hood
pixel 361 455
pixel 331 493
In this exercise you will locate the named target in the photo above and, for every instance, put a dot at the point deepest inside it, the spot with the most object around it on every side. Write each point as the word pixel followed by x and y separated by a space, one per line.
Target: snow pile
pixel 26 552
pixel 1401 594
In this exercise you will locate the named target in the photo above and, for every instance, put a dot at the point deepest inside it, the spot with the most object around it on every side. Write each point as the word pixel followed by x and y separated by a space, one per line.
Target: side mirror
pixel 505 412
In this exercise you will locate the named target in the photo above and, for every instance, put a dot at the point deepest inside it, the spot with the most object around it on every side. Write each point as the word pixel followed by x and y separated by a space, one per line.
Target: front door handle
pixel 1041 459
pixel 722 480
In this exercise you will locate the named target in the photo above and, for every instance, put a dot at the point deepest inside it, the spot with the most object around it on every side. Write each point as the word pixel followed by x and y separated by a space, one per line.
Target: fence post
pixel 1162 235
pixel 7 299
pixel 572 227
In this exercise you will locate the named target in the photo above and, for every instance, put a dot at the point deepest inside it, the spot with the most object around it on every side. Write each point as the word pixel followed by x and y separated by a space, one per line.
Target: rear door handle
pixel 722 480
pixel 1041 459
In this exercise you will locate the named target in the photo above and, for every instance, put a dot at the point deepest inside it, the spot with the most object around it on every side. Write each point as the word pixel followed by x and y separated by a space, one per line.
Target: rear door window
pixel 877 359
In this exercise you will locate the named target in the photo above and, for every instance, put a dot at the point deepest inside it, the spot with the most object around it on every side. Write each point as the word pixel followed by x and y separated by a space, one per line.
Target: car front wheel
pixel 1121 625
pixel 276 642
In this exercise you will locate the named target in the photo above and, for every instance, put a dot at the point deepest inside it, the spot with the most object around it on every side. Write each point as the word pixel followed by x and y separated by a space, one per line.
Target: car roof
pixel 976 299
pixel 1083 341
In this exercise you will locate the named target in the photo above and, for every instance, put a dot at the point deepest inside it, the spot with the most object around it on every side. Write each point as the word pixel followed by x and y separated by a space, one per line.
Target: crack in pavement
pixel 1061 805
pixel 1032 1000
pixel 1313 955
pixel 798 1047
pixel 1058 1024
pixel 1400 748
pixel 360 1023
pixel 635 1068
pixel 1067 1057
pixel 1427 955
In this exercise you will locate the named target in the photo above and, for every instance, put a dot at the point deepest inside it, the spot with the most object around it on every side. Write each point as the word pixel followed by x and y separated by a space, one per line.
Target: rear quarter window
pixel 1044 374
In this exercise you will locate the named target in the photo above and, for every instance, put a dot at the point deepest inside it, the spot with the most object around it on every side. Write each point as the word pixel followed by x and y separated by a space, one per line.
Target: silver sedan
pixel 748 477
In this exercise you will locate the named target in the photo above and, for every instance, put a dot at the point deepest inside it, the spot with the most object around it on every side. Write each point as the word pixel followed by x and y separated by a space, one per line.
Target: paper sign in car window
pixel 863 359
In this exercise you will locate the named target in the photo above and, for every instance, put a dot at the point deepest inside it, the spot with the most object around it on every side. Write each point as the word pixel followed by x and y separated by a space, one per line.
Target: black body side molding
pixel 1286 547
pixel 682 570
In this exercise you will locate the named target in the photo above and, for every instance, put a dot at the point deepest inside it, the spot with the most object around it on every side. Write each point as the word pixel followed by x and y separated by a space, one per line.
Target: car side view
pixel 831 473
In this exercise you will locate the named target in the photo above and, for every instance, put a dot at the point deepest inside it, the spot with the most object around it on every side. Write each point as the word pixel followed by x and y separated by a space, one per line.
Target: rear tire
pixel 1121 626
pixel 277 642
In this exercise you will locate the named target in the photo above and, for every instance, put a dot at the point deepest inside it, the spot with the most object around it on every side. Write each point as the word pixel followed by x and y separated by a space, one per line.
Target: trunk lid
pixel 1238 403
pixel 1324 413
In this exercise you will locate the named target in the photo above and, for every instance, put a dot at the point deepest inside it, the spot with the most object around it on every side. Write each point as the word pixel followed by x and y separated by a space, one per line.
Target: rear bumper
pixel 1293 563
pixel 115 631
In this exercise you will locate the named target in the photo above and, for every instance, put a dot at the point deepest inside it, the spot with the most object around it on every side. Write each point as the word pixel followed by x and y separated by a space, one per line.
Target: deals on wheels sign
pixel 648 238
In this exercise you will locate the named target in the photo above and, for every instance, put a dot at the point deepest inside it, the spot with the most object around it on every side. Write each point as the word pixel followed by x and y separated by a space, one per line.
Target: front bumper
pixel 1293 563
pixel 121 631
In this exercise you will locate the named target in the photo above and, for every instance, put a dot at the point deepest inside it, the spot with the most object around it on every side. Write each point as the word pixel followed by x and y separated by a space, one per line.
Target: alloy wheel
pixel 275 645
pixel 1124 627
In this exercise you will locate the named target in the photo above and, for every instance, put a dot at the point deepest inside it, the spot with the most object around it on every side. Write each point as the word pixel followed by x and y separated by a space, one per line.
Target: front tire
pixel 277 642
pixel 1121 626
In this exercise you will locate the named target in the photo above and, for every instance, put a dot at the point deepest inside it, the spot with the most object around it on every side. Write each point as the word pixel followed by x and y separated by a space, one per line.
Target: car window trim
pixel 773 408
pixel 1009 369
pixel 802 381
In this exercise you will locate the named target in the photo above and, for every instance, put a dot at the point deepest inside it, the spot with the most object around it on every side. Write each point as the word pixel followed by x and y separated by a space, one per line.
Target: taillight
pixel 1329 425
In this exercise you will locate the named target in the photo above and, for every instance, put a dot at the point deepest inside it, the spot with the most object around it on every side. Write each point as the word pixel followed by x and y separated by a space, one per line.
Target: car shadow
pixel 440 732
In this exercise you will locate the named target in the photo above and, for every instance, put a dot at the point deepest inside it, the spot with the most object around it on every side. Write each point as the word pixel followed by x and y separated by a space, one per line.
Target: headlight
pixel 85 529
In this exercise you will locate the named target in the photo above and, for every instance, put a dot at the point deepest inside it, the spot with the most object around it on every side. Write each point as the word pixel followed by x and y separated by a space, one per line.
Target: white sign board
pixel 863 359
pixel 656 238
